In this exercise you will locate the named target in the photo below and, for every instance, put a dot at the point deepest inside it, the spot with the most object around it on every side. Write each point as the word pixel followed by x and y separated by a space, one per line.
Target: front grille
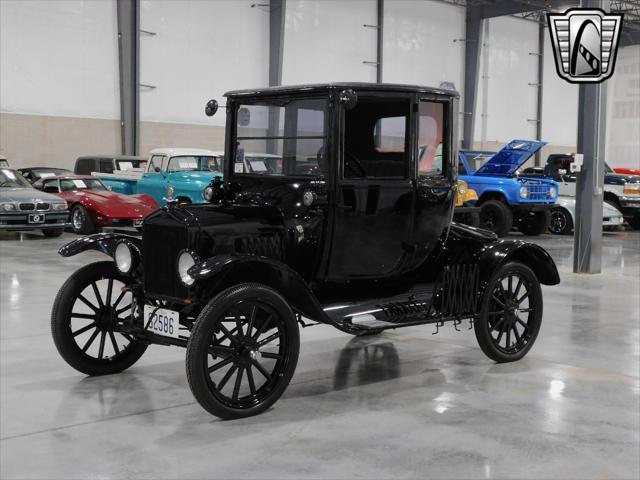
pixel 162 240
pixel 42 206
pixel 27 206
pixel 538 191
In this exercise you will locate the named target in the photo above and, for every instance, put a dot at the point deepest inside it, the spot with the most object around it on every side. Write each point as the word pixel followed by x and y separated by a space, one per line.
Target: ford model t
pixel 328 213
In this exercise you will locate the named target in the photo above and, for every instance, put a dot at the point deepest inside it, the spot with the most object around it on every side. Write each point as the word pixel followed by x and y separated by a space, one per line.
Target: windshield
pixel 131 164
pixel 48 172
pixel 12 179
pixel 69 184
pixel 187 163
pixel 281 137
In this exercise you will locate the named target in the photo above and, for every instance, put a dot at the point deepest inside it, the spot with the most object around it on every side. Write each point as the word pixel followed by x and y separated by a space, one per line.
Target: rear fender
pixel 102 242
pixel 222 271
pixel 497 254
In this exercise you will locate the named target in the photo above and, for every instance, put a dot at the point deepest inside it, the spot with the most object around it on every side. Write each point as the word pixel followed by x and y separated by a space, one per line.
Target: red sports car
pixel 627 171
pixel 93 205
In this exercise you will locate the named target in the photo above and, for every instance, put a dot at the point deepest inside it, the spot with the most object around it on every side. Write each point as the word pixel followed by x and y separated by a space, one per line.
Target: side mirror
pixel 157 169
pixel 211 108
pixel 348 98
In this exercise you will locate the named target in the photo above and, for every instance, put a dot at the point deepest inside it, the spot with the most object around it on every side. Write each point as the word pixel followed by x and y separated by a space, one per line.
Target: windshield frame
pixel 234 105
pixel 86 180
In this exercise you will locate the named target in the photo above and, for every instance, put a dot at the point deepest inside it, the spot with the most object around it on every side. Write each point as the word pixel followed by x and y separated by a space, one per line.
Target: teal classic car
pixel 172 174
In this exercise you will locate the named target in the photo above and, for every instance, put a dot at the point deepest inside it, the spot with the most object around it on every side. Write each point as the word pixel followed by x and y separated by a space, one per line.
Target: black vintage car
pixel 343 226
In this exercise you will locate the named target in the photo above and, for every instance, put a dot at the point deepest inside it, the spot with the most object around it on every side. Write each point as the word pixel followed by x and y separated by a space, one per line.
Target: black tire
pixel 496 216
pixel 471 219
pixel 53 232
pixel 101 319
pixel 81 221
pixel 535 224
pixel 560 221
pixel 634 222
pixel 500 310
pixel 246 307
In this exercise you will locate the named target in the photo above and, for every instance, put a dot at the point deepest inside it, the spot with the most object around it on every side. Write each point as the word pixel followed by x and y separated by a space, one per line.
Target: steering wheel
pixel 356 162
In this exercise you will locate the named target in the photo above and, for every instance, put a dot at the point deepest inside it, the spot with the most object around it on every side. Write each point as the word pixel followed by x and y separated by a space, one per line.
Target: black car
pixel 348 230
pixel 33 174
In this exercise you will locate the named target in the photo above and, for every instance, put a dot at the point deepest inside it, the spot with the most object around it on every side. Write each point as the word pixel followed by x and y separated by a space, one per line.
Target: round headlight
pixel 552 192
pixel 123 257
pixel 208 194
pixel 186 260
pixel 524 192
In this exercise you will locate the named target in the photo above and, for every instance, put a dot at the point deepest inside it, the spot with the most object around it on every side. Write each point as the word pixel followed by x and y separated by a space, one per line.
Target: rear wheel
pixel 242 351
pixel 87 321
pixel 496 216
pixel 81 221
pixel 560 221
pixel 535 224
pixel 510 313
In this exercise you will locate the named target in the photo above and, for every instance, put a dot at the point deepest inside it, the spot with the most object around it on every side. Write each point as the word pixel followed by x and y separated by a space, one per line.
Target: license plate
pixel 161 321
pixel 36 218
pixel 138 222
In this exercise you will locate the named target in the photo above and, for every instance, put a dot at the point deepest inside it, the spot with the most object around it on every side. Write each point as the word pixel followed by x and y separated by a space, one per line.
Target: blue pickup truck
pixel 179 174
pixel 507 199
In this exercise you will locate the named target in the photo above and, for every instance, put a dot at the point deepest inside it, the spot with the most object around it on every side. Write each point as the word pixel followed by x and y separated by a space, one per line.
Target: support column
pixel 128 14
pixel 473 42
pixel 541 34
pixel 380 39
pixel 592 101
pixel 276 41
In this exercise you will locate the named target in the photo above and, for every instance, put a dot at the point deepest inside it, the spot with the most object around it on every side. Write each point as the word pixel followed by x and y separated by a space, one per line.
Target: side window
pixel 51 186
pixel 106 165
pixel 158 161
pixel 84 166
pixel 376 138
pixel 431 136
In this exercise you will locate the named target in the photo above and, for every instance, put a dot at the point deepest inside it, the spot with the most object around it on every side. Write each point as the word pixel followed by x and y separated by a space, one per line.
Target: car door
pixel 372 214
pixel 155 182
pixel 436 176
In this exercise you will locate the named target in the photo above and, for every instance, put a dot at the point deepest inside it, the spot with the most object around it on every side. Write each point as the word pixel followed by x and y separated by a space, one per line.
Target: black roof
pixel 319 87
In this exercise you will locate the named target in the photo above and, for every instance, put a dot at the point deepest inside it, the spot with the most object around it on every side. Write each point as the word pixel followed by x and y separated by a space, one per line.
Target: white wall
pixel 201 50
pixel 59 58
pixel 325 41
pixel 506 101
pixel 559 103
pixel 419 46
pixel 623 110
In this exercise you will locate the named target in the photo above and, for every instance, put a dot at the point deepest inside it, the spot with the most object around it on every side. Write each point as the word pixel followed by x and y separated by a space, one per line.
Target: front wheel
pixel 561 222
pixel 53 232
pixel 87 321
pixel 535 224
pixel 496 216
pixel 81 221
pixel 510 313
pixel 242 351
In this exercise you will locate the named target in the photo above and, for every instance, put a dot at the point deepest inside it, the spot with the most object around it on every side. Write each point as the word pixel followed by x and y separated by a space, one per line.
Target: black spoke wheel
pixel 242 351
pixel 510 314
pixel 87 321
pixel 560 222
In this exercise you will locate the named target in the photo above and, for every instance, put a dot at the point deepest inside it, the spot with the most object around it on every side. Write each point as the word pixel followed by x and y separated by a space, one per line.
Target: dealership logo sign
pixel 585 43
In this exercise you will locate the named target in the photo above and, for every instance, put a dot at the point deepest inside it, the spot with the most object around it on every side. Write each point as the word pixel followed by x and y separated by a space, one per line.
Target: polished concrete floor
pixel 407 404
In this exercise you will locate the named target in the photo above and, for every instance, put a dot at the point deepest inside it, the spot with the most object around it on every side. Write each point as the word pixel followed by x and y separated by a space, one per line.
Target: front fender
pixel 102 242
pixel 535 257
pixel 222 271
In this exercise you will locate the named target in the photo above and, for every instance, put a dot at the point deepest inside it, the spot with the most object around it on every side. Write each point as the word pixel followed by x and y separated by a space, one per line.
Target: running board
pixel 410 308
